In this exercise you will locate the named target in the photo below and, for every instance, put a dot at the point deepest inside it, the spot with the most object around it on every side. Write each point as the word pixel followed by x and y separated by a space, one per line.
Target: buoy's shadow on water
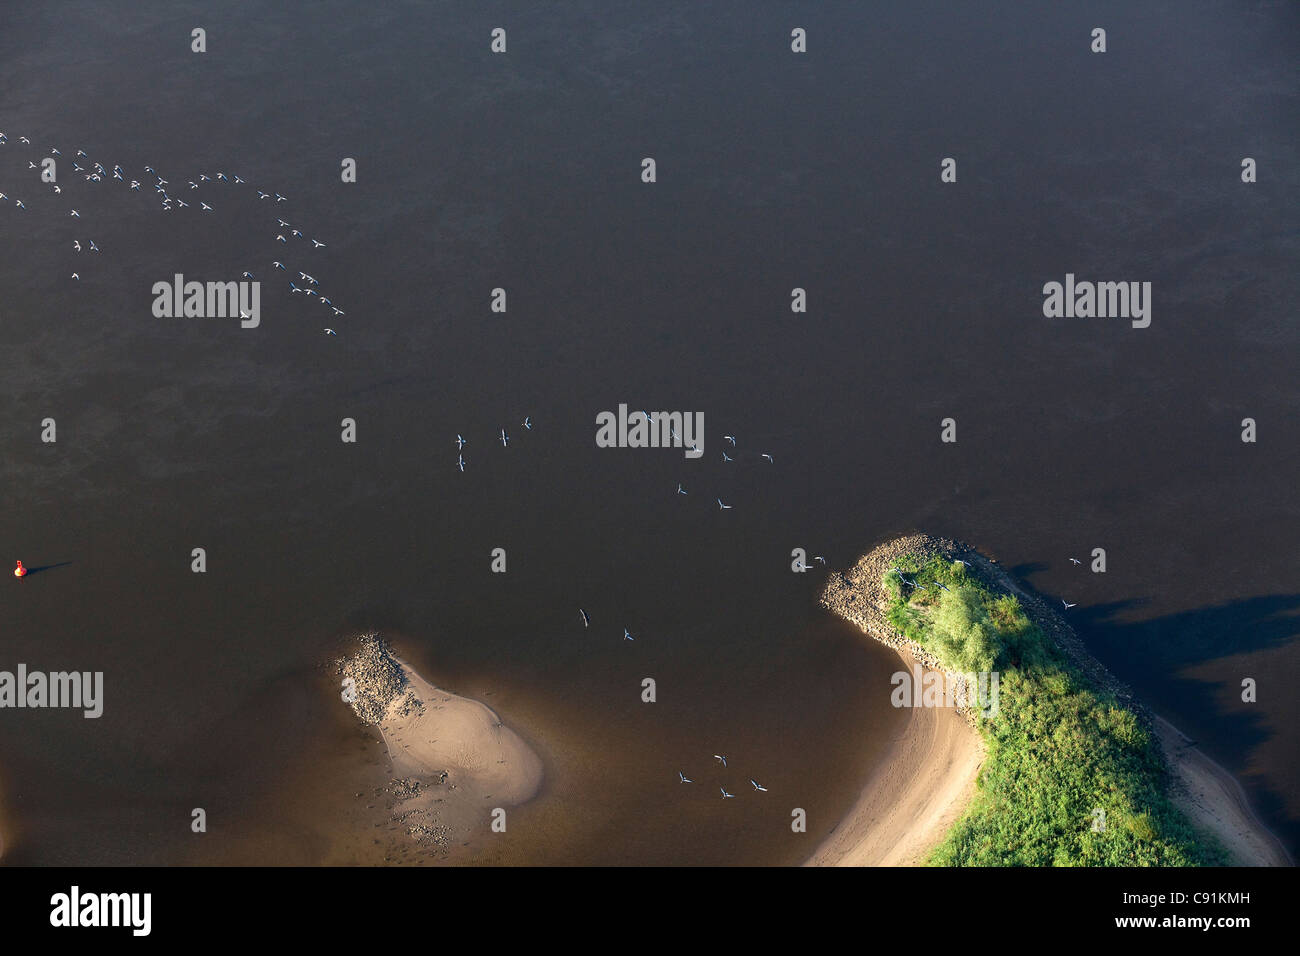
pixel 46 567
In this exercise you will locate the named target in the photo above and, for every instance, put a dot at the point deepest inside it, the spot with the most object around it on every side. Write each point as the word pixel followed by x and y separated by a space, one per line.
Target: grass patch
pixel 1059 749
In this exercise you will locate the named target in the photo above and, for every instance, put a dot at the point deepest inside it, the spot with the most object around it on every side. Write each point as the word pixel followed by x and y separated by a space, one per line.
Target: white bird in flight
pixel 725 795
pixel 460 442
pixel 685 779
pixel 768 457
pixel 586 621
pixel 720 757
pixel 732 439
pixel 1068 605
pixel 627 635
pixel 505 439
pixel 680 489
pixel 330 332
pixel 1075 561
pixel 722 506
pixel 758 786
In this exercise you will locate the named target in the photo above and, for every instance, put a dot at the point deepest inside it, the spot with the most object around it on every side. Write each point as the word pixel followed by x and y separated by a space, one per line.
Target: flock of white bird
pixel 503 437
pixel 721 758
pixel 94 172
pixel 722 506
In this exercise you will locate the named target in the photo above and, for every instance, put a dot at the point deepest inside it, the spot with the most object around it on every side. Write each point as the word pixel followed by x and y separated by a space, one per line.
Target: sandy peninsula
pixel 928 775
pixel 454 764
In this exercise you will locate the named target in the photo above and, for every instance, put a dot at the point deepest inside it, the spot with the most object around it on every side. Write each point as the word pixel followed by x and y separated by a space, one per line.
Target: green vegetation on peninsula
pixel 1073 776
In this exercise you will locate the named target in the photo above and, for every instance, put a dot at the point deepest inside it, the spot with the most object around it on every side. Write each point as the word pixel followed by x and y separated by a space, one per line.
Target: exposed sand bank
pixel 921 787
pixel 927 777
pixel 453 761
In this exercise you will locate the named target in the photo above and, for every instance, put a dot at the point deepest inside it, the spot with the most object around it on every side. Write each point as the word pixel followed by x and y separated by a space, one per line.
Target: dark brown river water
pixel 522 171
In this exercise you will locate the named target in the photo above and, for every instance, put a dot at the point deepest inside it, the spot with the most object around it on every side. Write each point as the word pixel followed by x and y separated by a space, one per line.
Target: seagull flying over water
pixel 758 786
pixel 768 457
pixel 330 332
pixel 627 635
pixel 732 439
pixel 1075 561
pixel 586 621
pixel 720 757
pixel 1068 605
pixel 722 506
pixel 725 795
pixel 460 442
pixel 460 462
pixel 725 457
pixel 680 489
pixel 685 779
pixel 528 422
pixel 505 439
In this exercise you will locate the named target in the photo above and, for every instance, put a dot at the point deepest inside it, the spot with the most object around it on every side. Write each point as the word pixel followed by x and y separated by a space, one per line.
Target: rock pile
pixel 376 677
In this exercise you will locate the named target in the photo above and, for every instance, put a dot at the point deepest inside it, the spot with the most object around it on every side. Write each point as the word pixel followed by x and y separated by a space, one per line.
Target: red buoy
pixel 20 570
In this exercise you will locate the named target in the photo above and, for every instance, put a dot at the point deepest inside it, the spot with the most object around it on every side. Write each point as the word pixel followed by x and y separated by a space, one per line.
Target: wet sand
pixel 1215 801
pixel 921 788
